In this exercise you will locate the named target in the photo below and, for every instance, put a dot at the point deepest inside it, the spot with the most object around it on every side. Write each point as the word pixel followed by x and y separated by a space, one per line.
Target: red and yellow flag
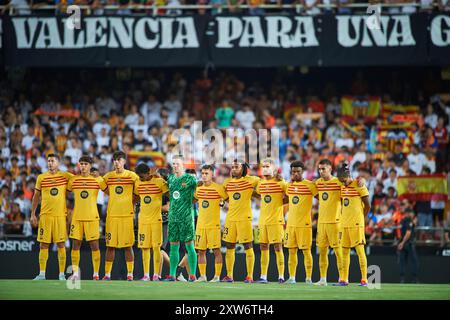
pixel 423 188
pixel 151 158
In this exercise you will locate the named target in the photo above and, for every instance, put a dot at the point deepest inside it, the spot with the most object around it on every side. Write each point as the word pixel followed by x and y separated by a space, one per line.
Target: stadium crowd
pixel 310 7
pixel 142 116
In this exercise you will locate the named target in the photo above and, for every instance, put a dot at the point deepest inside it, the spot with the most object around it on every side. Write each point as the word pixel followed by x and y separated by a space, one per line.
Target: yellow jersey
pixel 121 186
pixel 301 196
pixel 209 205
pixel 150 193
pixel 272 194
pixel 352 204
pixel 329 200
pixel 240 193
pixel 85 190
pixel 53 189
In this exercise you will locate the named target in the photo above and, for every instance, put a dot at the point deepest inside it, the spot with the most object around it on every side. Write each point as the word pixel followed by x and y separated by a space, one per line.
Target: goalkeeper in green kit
pixel 181 219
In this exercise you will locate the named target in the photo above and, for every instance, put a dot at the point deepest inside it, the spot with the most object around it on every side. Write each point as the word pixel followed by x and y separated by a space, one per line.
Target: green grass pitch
pixel 136 290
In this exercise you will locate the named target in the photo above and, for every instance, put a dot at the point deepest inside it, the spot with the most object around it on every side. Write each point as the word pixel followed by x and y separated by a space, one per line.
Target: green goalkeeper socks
pixel 192 258
pixel 174 259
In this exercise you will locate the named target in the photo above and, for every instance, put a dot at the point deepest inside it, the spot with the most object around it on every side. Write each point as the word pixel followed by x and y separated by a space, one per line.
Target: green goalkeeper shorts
pixel 180 231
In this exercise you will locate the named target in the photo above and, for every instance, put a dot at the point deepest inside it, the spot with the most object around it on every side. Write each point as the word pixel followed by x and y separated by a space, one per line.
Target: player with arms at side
pixel 181 217
pixel 238 223
pixel 150 189
pixel 85 216
pixel 299 225
pixel 271 219
pixel 207 233
pixel 120 214
pixel 51 191
pixel 355 207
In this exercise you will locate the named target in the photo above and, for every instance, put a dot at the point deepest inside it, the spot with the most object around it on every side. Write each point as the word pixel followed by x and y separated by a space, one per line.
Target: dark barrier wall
pixel 238 41
pixel 19 260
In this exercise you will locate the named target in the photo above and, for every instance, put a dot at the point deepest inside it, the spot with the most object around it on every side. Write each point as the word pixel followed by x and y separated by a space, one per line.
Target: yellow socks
pixel 323 262
pixel 280 263
pixel 250 261
pixel 338 253
pixel 345 263
pixel 264 263
pixel 130 267
pixel 292 262
pixel 202 269
pixel 229 261
pixel 308 262
pixel 96 261
pixel 145 261
pixel 218 269
pixel 43 257
pixel 61 259
pixel 156 261
pixel 108 268
pixel 362 261
pixel 75 260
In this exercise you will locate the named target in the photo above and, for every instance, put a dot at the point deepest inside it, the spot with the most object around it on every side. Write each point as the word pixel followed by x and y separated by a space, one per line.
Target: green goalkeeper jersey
pixel 181 191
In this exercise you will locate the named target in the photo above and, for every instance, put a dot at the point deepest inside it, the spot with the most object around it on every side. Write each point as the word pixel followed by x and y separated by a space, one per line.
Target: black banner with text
pixel 226 40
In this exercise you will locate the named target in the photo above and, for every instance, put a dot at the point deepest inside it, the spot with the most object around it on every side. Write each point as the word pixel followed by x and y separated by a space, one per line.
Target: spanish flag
pixel 156 158
pixel 423 188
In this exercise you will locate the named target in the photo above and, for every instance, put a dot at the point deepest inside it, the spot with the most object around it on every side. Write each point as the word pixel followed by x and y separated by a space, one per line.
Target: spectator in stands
pixel 20 7
pixel 234 5
pixel 416 159
pixel 310 7
pixel 151 110
pixel 14 220
pixel 246 116
pixel 255 9
pixel 224 115
pixel 391 181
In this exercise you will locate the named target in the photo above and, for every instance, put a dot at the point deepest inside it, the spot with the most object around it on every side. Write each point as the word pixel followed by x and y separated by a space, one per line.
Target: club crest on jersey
pixel 346 202
pixel 176 195
pixel 54 191
pixel 119 190
pixel 236 196
pixel 147 199
pixel 295 200
pixel 205 204
pixel 324 196
pixel 84 194
pixel 267 199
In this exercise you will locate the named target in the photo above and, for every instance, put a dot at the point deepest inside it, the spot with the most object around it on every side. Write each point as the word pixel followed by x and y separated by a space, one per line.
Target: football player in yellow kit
pixel 238 223
pixel 355 207
pixel 120 214
pixel 299 225
pixel 150 189
pixel 85 216
pixel 271 220
pixel 51 190
pixel 207 233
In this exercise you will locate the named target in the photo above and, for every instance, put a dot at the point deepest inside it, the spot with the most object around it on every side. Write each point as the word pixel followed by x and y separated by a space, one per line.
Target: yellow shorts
pixel 238 231
pixel 90 229
pixel 328 235
pixel 52 229
pixel 298 237
pixel 119 232
pixel 150 235
pixel 270 234
pixel 207 238
pixel 352 237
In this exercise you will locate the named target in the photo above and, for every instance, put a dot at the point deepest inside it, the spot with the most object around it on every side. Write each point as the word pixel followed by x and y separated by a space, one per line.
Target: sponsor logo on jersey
pixel 324 196
pixel 346 202
pixel 119 190
pixel 54 191
pixel 176 195
pixel 236 196
pixel 295 200
pixel 267 199
pixel 147 199
pixel 205 204
pixel 84 194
